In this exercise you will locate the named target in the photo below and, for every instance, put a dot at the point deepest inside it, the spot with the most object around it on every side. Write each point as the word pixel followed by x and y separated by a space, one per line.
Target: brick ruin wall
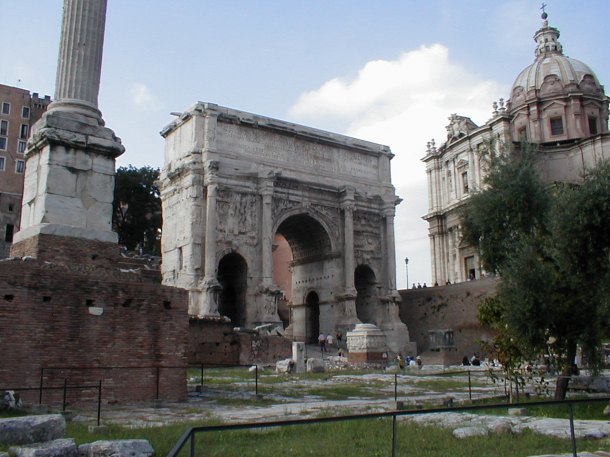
pixel 214 342
pixel 452 307
pixel 75 323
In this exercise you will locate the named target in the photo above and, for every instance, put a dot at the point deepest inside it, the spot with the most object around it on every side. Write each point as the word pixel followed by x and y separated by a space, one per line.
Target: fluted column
pixel 79 65
pixel 266 191
pixel 210 286
pixel 389 212
pixel 347 204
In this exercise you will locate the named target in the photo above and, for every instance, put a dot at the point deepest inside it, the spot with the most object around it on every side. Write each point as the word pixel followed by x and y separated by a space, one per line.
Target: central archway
pixel 308 264
pixel 232 276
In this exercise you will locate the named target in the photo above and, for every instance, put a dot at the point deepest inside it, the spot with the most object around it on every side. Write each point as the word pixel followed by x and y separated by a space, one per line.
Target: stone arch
pixel 308 216
pixel 233 279
pixel 312 270
pixel 367 297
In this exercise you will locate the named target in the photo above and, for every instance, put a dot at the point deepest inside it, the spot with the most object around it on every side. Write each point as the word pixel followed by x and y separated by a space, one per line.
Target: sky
pixel 387 71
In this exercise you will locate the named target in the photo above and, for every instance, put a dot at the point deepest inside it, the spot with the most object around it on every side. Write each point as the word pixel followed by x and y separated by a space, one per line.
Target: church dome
pixel 553 73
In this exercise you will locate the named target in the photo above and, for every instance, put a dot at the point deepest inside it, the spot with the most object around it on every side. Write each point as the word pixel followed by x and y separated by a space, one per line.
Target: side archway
pixel 233 278
pixel 367 295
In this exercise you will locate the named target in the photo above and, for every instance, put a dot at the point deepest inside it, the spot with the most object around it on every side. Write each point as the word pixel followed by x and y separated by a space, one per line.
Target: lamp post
pixel 407 265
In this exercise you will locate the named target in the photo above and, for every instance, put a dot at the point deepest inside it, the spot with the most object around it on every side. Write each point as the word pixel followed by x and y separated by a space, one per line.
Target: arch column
pixel 269 293
pixel 389 212
pixel 266 235
pixel 210 286
pixel 349 294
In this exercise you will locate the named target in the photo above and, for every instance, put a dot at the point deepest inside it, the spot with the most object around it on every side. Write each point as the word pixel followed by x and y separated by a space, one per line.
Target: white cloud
pixel 142 97
pixel 403 103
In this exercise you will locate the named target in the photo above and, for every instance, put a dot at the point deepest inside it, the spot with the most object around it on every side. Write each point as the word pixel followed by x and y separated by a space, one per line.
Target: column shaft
pixel 80 55
pixel 267 237
pixel 210 232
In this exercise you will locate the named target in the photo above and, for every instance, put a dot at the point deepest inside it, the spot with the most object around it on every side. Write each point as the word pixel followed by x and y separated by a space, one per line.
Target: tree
pixel 136 213
pixel 551 248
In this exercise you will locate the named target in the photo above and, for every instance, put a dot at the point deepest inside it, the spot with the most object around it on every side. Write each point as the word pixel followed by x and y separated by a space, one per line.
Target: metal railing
pixel 189 436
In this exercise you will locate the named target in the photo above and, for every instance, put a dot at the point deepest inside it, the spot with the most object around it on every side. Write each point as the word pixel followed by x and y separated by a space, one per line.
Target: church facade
pixel 556 104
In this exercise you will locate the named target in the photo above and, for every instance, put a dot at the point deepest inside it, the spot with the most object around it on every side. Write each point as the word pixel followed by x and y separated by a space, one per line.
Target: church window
pixel 592 125
pixel 465 182
pixel 556 126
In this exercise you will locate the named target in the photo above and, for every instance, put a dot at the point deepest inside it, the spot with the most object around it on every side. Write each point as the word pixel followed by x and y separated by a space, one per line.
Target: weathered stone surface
pixel 315 365
pixel 467 432
pixel 283 366
pixel 32 429
pixel 118 448
pixel 64 447
pixel 590 383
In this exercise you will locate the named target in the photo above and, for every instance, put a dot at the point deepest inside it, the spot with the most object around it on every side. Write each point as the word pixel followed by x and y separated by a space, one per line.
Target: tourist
pixel 329 340
pixel 419 362
pixel 465 361
pixel 401 362
pixel 322 341
pixel 339 337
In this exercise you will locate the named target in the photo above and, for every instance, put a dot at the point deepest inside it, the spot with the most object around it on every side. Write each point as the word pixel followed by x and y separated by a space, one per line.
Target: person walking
pixel 322 341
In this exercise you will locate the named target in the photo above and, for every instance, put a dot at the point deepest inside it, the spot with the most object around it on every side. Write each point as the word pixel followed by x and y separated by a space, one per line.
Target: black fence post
pixel 572 436
pixel 395 386
pixel 469 387
pixel 394 435
pixel 192 443
pixel 256 380
pixel 99 401
pixel 65 393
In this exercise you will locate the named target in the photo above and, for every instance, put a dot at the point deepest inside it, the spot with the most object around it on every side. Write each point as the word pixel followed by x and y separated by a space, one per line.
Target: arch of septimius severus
pixel 233 181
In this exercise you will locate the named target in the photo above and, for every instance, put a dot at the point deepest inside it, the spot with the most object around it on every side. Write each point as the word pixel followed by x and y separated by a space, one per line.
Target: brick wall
pixel 54 315
pixel 214 342
pixel 442 308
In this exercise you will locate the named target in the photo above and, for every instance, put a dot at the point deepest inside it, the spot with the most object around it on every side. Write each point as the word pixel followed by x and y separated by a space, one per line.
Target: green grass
pixel 366 437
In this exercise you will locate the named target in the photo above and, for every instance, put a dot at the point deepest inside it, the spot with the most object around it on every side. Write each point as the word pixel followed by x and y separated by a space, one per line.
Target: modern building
pixel 557 103
pixel 19 110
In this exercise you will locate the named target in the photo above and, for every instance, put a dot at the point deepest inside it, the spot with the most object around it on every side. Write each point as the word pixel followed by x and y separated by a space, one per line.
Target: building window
pixel 465 182
pixel 4 128
pixel 2 162
pixel 19 166
pixel 8 234
pixel 593 125
pixel 556 126
pixel 25 112
pixel 21 147
pixel 24 131
pixel 6 108
pixel 3 143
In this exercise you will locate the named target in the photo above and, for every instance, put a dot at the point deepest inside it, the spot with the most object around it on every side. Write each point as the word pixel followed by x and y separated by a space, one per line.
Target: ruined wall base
pixel 85 325
pixel 443 308
pixel 215 342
